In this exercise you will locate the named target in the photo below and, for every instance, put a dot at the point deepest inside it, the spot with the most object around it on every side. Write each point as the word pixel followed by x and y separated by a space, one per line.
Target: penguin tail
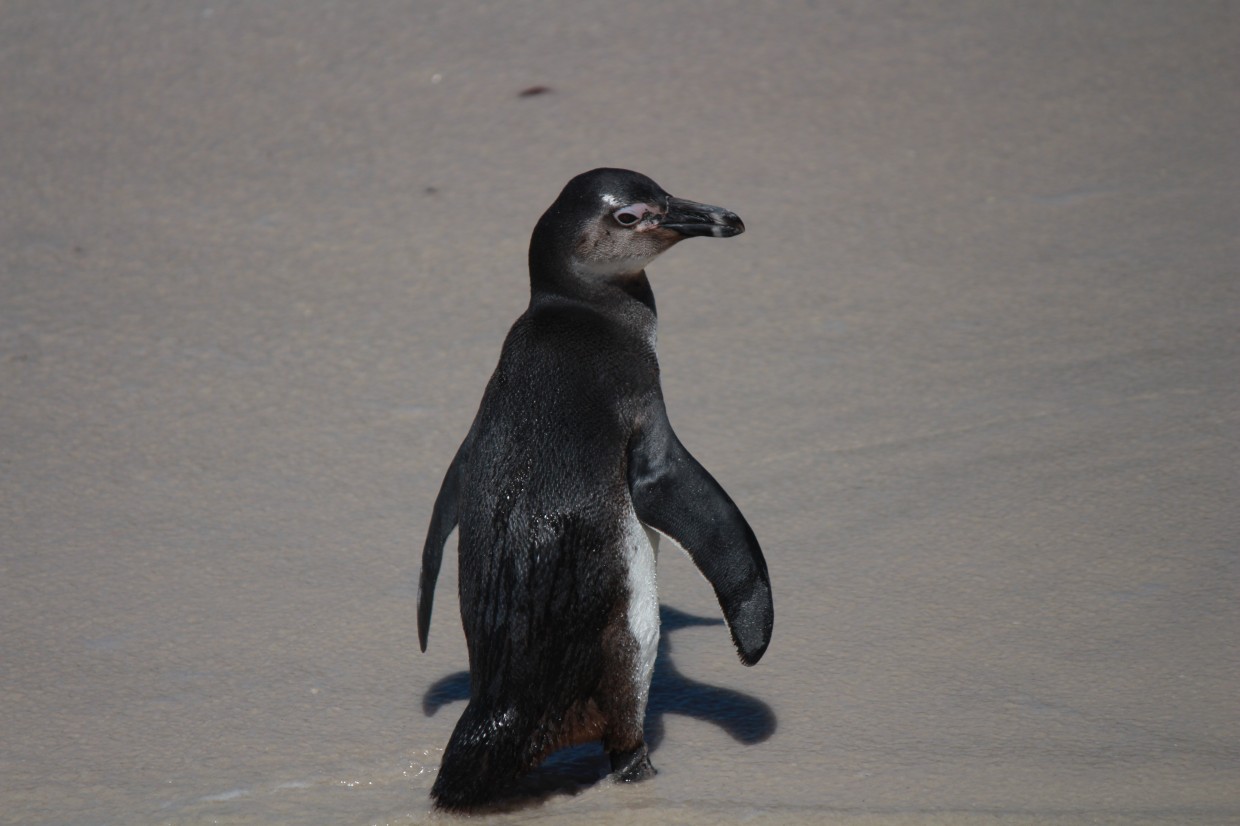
pixel 490 749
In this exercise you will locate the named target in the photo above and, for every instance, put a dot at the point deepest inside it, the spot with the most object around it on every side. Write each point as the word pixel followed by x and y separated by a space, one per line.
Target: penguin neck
pixel 628 298
pixel 557 278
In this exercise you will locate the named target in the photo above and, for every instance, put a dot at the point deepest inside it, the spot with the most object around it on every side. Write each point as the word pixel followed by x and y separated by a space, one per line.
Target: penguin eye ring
pixel 630 215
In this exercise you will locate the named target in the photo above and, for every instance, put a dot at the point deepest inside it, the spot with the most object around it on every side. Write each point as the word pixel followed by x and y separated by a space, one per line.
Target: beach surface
pixel 972 374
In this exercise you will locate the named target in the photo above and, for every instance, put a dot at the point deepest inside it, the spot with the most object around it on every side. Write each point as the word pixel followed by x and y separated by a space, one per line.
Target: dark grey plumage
pixel 566 478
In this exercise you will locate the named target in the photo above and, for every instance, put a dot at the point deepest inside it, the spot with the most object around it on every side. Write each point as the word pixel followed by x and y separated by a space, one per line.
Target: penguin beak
pixel 690 218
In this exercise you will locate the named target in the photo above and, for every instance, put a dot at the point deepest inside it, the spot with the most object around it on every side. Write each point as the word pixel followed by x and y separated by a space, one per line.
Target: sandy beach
pixel 972 374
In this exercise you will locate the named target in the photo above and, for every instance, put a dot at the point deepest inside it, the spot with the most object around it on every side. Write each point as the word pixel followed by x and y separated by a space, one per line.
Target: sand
pixel 972 374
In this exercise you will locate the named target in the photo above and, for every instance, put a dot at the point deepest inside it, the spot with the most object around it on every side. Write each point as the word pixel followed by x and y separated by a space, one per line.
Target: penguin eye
pixel 630 215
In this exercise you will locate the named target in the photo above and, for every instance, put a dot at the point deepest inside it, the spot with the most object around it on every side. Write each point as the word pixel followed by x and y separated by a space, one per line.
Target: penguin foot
pixel 632 766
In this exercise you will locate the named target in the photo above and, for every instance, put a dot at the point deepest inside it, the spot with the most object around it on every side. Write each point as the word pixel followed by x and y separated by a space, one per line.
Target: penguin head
pixel 608 224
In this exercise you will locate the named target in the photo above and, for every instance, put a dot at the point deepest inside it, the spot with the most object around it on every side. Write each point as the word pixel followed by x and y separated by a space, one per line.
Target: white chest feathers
pixel 641 546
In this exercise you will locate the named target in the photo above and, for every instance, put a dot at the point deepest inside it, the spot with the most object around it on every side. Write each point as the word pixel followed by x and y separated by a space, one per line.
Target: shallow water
pixel 970 374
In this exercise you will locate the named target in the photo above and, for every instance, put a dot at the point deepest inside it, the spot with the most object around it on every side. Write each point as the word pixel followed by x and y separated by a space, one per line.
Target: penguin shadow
pixel 745 718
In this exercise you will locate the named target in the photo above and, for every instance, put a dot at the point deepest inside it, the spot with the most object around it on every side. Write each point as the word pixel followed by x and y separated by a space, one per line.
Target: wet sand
pixel 973 375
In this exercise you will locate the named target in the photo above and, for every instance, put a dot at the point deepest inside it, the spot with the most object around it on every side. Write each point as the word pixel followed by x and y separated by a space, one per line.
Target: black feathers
pixel 570 447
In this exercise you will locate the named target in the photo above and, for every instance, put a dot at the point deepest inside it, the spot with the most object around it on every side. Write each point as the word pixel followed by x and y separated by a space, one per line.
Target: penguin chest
pixel 641 550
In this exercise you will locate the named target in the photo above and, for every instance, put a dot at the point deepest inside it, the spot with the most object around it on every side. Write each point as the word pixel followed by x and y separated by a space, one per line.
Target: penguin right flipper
pixel 443 522
pixel 676 496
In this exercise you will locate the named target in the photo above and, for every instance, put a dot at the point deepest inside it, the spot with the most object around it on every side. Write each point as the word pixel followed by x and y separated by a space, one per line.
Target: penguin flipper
pixel 443 522
pixel 676 496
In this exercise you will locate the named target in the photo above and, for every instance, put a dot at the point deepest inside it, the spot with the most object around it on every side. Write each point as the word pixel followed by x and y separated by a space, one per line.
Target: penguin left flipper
pixel 443 522
pixel 676 496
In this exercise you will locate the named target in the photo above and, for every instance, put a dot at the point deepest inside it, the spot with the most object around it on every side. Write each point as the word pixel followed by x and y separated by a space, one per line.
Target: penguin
pixel 561 490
